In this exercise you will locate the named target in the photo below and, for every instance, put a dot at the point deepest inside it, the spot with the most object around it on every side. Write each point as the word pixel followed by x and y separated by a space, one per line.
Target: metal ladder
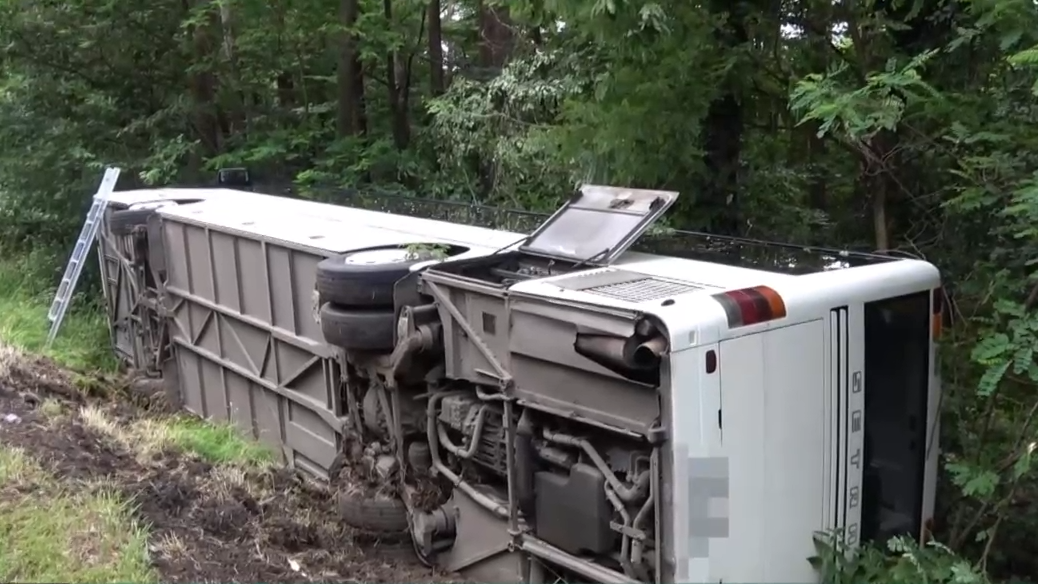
pixel 79 253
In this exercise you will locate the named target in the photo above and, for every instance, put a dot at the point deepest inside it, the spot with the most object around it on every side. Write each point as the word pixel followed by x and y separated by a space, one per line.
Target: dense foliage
pixel 897 125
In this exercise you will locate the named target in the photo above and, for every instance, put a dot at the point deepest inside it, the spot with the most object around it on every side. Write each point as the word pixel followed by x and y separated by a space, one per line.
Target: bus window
pixel 897 376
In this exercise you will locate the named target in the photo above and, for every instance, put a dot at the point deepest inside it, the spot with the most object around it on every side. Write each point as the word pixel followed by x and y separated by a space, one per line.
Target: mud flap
pixel 481 544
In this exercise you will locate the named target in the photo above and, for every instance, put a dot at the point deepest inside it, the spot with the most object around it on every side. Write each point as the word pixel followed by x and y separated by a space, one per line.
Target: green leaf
pixel 1023 359
pixel 973 482
pixel 1027 57
pixel 991 378
pixel 991 347
pixel 1022 466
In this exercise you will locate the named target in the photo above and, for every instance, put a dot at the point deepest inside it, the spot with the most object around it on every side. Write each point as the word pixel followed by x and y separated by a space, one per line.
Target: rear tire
pixel 365 278
pixel 374 514
pixel 358 329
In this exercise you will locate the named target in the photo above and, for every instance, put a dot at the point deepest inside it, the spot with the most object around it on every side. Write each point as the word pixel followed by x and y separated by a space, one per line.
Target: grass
pixel 82 343
pixel 56 532
pixel 49 533
pixel 216 443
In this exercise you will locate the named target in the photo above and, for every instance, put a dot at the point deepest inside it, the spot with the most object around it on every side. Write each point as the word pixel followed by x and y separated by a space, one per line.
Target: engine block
pixel 476 420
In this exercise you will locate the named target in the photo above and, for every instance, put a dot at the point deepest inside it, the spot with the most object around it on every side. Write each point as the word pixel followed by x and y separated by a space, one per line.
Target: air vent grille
pixel 642 290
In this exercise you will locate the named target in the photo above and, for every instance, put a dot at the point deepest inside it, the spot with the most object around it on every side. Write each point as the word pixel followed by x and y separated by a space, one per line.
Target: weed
pixel 216 443
pixel 427 250
pixel 82 344
pixel 51 534
pixel 902 561
pixel 51 408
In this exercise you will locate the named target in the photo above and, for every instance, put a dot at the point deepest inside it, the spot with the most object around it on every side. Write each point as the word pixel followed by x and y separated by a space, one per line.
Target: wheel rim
pixel 372 257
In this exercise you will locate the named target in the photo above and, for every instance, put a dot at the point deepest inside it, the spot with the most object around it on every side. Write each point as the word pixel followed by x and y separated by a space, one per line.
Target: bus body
pixel 645 417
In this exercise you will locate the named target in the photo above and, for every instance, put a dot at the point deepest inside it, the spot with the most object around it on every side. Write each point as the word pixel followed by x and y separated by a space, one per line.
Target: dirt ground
pixel 207 523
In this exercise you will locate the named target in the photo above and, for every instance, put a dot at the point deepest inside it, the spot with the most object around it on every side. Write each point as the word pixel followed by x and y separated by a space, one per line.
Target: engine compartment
pixel 505 269
pixel 531 478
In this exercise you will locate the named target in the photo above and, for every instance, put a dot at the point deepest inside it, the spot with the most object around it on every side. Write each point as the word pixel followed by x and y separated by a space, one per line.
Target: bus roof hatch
pixel 598 224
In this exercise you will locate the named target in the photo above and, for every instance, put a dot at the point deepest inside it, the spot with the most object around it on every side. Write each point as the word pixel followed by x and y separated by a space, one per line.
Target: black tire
pixel 361 330
pixel 344 283
pixel 123 222
pixel 374 514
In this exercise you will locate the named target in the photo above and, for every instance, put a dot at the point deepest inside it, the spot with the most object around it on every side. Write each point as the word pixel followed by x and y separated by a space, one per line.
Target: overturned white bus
pixel 580 410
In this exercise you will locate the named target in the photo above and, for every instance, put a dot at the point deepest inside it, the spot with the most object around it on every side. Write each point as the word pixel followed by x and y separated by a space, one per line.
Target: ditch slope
pixel 136 506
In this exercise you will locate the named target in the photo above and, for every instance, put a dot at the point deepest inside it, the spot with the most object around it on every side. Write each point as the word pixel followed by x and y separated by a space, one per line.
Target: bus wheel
pixel 358 329
pixel 378 513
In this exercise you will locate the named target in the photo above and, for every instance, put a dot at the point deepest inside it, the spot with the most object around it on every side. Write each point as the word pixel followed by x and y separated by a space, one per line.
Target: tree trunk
pixel 286 90
pixel 879 165
pixel 237 118
pixel 880 221
pixel 436 81
pixel 202 85
pixel 723 129
pixel 818 28
pixel 496 39
pixel 496 42
pixel 396 85
pixel 351 119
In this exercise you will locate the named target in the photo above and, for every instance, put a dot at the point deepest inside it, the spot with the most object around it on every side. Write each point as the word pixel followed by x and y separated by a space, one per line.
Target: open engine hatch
pixel 592 229
pixel 598 224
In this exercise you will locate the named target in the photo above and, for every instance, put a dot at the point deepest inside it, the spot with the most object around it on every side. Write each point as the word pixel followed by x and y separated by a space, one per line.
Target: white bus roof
pixel 333 229
pixel 144 196
pixel 330 229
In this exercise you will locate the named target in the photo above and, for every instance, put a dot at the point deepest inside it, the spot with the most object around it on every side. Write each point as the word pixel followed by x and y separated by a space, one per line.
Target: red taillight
pixel 751 305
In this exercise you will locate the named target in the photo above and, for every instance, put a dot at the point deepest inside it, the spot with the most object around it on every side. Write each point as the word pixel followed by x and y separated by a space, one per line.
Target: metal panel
pixel 132 296
pixel 124 286
pixel 116 301
pixel 247 348
pixel 772 388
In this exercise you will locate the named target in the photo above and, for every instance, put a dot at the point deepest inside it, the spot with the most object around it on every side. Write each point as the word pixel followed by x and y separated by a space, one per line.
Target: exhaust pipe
pixel 646 354
pixel 631 353
pixel 604 349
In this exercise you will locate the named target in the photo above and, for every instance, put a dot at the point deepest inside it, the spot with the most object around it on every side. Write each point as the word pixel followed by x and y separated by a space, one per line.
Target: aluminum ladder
pixel 79 254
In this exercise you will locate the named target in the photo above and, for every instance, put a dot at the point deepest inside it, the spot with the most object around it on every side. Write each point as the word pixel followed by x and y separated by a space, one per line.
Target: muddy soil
pixel 207 524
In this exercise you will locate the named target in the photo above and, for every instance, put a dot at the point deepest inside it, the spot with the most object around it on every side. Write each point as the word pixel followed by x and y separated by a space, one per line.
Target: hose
pixel 625 547
pixel 637 546
pixel 524 464
pixel 477 435
pixel 627 494
pixel 434 449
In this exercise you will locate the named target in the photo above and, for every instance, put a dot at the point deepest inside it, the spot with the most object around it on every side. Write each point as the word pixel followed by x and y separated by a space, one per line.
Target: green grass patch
pixel 49 533
pixel 83 343
pixel 218 443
